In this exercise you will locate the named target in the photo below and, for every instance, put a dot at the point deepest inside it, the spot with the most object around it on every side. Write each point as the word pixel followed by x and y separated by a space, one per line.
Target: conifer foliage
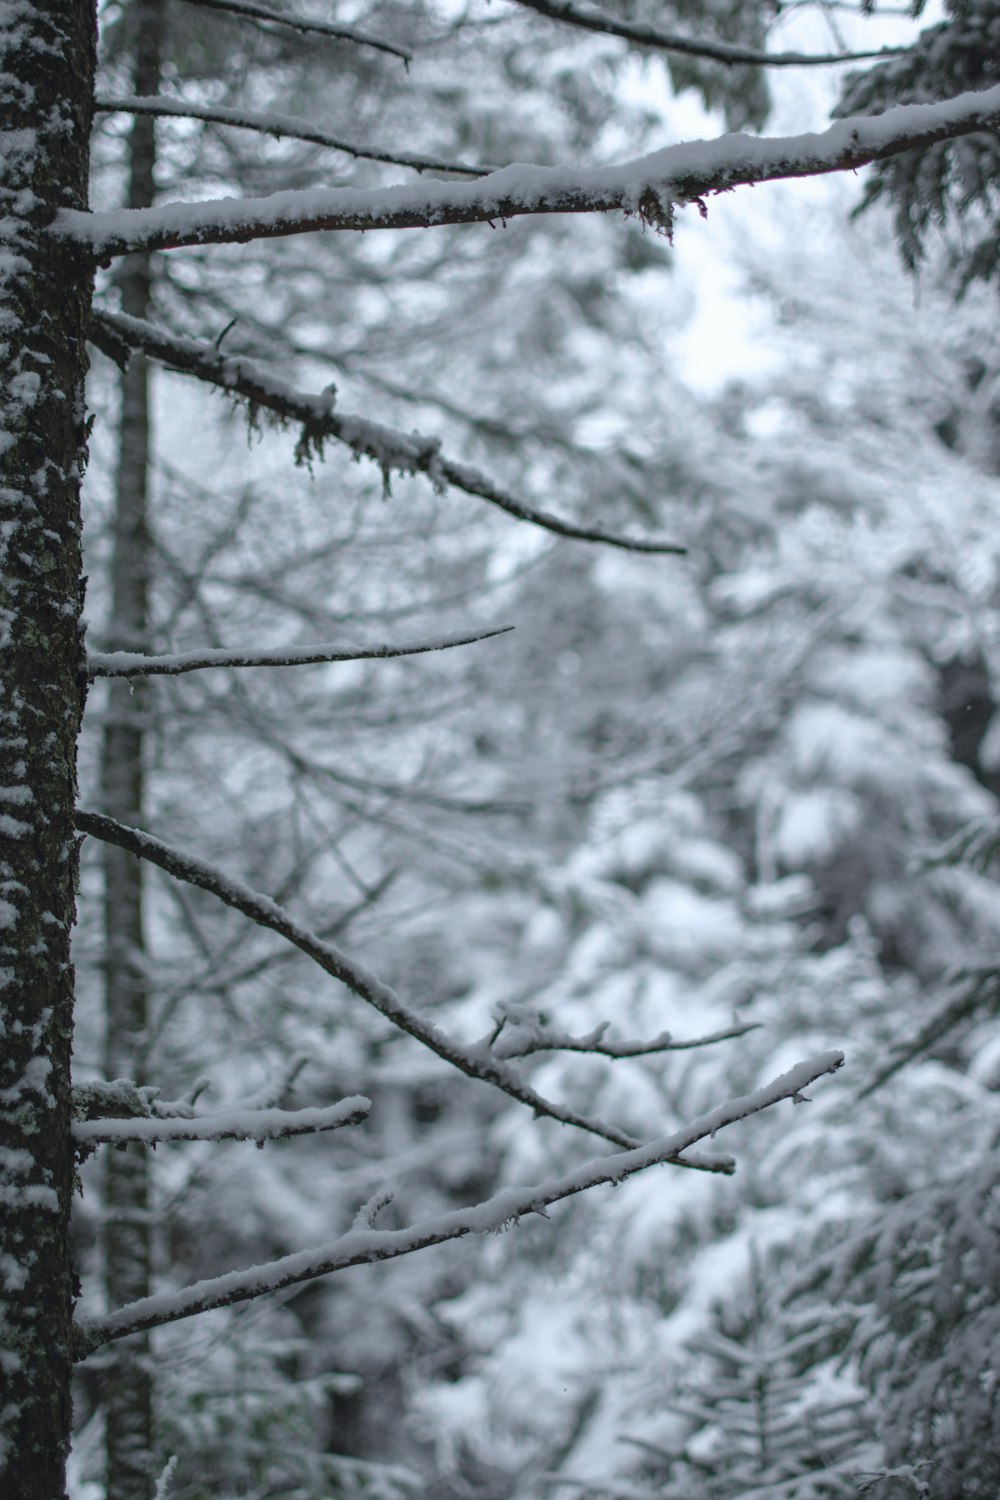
pixel 437 150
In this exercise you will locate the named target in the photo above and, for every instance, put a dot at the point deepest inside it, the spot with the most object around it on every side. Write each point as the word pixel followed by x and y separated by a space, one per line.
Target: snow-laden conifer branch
pixel 251 11
pixel 475 1062
pixel 281 127
pixel 521 1031
pixel 237 1124
pixel 134 664
pixel 642 34
pixel 393 451
pixel 649 186
pixel 364 1243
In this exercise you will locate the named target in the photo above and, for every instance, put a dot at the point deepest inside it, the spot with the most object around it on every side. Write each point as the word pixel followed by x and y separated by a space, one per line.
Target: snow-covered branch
pixel 134 664
pixel 237 1124
pixel 642 34
pixel 251 11
pixel 393 451
pixel 474 1062
pixel 521 1031
pixel 281 127
pixel 364 1243
pixel 649 186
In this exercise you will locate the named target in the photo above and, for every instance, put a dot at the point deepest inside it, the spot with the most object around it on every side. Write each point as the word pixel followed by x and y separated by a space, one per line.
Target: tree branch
pixel 134 664
pixel 474 1062
pixel 590 18
pixel 258 1125
pixel 364 1244
pixel 250 10
pixel 404 453
pixel 522 1035
pixel 649 186
pixel 281 127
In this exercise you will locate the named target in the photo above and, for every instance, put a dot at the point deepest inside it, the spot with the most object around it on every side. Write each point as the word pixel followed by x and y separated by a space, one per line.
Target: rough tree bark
pixel 127 1232
pixel 47 52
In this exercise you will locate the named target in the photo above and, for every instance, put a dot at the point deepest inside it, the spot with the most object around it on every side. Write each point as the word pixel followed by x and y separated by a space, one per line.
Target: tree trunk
pixel 47 60
pixel 128 1248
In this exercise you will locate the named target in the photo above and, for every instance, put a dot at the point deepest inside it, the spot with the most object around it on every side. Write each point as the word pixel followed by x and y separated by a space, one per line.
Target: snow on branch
pixel 280 126
pixel 134 664
pixel 649 186
pixel 474 1062
pixel 251 11
pixel 364 1243
pixel 522 1030
pixel 258 1125
pixel 591 18
pixel 393 451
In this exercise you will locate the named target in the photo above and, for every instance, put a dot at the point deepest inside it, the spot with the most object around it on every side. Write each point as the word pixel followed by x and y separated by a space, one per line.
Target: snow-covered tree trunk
pixel 47 62
pixel 128 1250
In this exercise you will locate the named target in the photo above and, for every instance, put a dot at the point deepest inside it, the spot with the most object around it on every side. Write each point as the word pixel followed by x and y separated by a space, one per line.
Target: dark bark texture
pixel 46 84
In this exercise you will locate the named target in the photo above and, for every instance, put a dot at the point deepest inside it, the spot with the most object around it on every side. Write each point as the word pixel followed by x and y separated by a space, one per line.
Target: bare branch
pixel 590 18
pixel 281 127
pixel 258 1125
pixel 474 1062
pixel 404 453
pixel 134 664
pixel 254 12
pixel 649 186
pixel 364 1244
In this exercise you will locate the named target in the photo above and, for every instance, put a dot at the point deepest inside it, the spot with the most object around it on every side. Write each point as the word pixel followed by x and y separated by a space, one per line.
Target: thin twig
pixel 281 127
pixel 222 1125
pixel 254 12
pixel 642 34
pixel 134 664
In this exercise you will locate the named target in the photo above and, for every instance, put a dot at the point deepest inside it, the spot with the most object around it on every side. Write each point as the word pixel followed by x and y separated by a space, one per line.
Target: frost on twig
pixel 369 1211
pixel 363 1244
pixel 237 1124
pixel 134 664
pixel 523 1029
pixel 393 451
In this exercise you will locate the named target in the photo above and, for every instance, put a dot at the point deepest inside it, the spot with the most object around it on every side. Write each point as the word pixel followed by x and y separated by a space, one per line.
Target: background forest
pixel 744 797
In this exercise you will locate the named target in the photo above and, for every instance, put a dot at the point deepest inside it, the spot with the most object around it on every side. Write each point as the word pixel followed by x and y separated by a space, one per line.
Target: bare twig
pixel 642 34
pixel 394 452
pixel 251 11
pixel 366 1244
pixel 134 664
pixel 281 127
pixel 475 1062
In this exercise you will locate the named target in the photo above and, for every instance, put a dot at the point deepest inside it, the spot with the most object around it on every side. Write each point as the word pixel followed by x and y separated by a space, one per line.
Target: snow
pixel 503 1208
pixel 677 173
pixel 224 1124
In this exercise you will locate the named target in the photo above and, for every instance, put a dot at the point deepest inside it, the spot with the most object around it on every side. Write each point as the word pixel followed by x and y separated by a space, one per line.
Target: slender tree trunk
pixel 128 1248
pixel 47 63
